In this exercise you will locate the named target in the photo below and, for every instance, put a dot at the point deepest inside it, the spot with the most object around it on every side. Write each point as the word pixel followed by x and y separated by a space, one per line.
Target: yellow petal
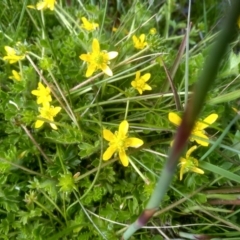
pixel 51 4
pixel 146 77
pixel 135 39
pixel 90 70
pixel 142 37
pixel 13 58
pixel 95 45
pixel 123 128
pixel 124 158
pixel 134 84
pixel 56 110
pixel 38 123
pixel 183 164
pixel 84 20
pixel 207 121
pixel 35 92
pixel 133 142
pixel 198 140
pixel 9 50
pixel 31 6
pixel 41 86
pixel 174 118
pixel 190 150
pixel 109 152
pixel 107 70
pixel 197 170
pixel 137 75
pixel 147 87
pixel 112 55
pixel 108 135
pixel 15 76
pixel 84 57
pixel 140 91
pixel 53 126
pixel 41 5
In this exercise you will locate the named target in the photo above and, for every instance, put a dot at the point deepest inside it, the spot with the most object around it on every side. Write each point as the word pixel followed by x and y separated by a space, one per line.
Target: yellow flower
pixel 153 31
pixel 140 82
pixel 139 42
pixel 114 29
pixel 189 163
pixel 198 130
pixel 12 56
pixel 98 59
pixel 46 4
pixel 16 76
pixel 47 112
pixel 88 25
pixel 43 94
pixel 119 142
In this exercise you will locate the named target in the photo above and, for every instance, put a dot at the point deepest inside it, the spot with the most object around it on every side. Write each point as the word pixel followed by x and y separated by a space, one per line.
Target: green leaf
pixel 220 171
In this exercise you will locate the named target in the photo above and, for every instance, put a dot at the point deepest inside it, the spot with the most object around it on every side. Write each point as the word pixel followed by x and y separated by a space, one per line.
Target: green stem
pixel 54 204
pixel 138 171
pixel 187 54
pixel 48 212
pixel 126 112
pixel 89 218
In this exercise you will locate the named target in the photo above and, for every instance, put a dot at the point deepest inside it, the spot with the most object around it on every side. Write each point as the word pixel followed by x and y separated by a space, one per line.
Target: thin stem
pixel 126 111
pixel 139 172
pixel 48 212
pixel 35 143
pixel 187 54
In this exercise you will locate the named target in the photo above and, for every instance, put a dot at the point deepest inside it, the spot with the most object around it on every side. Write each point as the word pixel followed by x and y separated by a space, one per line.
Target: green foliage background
pixel 53 184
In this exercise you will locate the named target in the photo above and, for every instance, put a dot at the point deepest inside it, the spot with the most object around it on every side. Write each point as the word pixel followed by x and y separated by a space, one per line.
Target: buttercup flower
pixel 98 59
pixel 153 31
pixel 46 4
pixel 43 94
pixel 12 56
pixel 119 142
pixel 114 29
pixel 198 130
pixel 139 42
pixel 16 76
pixel 140 82
pixel 47 112
pixel 189 163
pixel 88 25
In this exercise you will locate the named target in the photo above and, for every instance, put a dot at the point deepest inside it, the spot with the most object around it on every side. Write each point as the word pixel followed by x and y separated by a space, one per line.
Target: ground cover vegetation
pixel 91 95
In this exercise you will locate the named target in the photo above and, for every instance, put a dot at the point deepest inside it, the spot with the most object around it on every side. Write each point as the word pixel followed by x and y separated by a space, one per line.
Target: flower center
pixel 120 141
pixel 101 58
pixel 140 83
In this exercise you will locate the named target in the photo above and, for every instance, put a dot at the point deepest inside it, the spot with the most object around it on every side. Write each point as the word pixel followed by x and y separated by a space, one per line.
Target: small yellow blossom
pixel 198 133
pixel 189 163
pixel 140 82
pixel 114 29
pixel 47 112
pixel 153 31
pixel 46 4
pixel 12 56
pixel 16 76
pixel 89 26
pixel 98 59
pixel 43 94
pixel 139 43
pixel 119 142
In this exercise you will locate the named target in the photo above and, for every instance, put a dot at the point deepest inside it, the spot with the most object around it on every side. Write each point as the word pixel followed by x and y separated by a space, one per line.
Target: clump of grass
pixel 87 94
